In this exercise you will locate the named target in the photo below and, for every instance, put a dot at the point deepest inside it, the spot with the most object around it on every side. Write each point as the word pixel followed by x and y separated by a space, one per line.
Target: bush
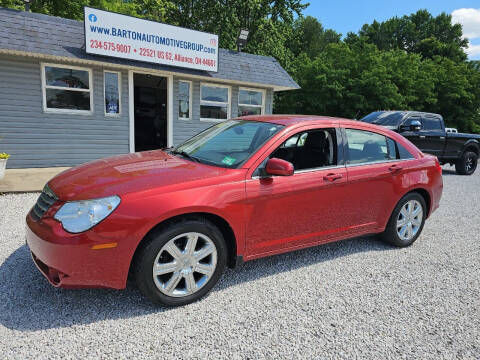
pixel 4 156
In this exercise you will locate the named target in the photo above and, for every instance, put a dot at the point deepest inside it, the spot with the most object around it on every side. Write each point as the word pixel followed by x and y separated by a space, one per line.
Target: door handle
pixel 422 136
pixel 332 177
pixel 395 168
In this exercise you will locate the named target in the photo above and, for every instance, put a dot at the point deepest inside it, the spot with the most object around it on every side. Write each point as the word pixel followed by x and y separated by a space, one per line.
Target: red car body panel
pixel 267 215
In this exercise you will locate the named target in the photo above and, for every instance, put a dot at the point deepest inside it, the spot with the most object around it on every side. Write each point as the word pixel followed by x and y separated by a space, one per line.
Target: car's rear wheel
pixel 467 164
pixel 180 264
pixel 406 222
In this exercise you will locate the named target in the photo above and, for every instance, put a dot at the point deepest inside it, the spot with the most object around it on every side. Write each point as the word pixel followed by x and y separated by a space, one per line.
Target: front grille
pixel 46 199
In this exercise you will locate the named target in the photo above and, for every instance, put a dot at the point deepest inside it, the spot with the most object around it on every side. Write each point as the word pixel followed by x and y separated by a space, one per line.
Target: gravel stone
pixel 357 298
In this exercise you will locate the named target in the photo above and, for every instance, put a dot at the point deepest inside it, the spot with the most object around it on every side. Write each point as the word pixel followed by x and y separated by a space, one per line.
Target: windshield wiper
pixel 186 155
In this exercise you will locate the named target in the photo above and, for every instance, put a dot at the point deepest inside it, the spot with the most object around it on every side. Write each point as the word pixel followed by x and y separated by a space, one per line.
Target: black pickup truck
pixel 427 132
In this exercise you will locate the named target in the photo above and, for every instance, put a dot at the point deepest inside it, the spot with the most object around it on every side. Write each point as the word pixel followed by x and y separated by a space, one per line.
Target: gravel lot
pixel 353 299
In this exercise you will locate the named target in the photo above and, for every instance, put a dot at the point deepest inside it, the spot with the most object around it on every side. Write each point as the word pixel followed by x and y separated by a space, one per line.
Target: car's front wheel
pixel 407 220
pixel 181 263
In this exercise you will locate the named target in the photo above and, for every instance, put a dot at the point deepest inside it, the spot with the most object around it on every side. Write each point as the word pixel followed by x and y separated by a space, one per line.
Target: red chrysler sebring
pixel 240 190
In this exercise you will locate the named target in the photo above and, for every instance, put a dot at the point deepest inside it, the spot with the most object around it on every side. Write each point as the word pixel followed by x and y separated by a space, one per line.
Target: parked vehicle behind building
pixel 427 131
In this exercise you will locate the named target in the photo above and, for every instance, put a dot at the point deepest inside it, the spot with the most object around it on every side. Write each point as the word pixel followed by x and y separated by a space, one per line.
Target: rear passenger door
pixel 374 169
pixel 432 135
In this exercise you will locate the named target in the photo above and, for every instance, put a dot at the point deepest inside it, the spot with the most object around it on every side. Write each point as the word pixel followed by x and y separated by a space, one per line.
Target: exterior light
pixel 242 40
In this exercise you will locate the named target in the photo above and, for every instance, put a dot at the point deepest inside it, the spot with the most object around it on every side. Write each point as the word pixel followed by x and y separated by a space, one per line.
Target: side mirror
pixel 280 167
pixel 415 125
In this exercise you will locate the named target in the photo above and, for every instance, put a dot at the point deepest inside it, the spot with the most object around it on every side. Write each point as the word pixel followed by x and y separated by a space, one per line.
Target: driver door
pixel 285 212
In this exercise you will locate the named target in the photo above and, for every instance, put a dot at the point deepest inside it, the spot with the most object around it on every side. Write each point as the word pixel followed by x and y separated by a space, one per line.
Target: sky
pixel 349 15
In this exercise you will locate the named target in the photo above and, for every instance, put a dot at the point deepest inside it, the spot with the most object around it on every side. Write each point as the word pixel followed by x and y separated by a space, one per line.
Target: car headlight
pixel 79 216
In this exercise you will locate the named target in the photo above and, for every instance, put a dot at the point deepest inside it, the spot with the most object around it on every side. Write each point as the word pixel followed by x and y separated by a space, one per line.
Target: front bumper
pixel 68 260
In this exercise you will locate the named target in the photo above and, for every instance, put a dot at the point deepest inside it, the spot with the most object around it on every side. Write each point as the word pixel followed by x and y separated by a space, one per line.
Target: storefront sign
pixel 127 37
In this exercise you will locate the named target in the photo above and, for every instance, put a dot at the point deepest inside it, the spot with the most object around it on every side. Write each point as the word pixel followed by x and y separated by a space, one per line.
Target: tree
pixel 270 23
pixel 310 37
pixel 419 33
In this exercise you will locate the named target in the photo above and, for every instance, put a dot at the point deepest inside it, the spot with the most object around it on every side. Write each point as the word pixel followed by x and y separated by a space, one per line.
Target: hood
pixel 128 173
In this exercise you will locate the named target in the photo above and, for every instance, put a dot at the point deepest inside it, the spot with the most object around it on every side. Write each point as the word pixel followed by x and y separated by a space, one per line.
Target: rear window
pixel 431 123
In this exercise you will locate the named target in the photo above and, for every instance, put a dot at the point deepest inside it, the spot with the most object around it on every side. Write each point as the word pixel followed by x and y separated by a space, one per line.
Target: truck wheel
pixel 467 164
pixel 180 264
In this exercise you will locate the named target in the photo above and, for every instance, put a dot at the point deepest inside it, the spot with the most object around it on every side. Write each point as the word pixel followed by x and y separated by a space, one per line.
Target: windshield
pixel 228 144
pixel 388 118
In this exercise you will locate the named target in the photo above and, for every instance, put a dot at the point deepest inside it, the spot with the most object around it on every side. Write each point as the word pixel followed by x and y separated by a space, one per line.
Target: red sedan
pixel 240 190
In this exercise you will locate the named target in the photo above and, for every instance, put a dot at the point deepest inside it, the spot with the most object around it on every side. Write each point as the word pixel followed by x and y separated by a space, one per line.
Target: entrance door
pixel 150 111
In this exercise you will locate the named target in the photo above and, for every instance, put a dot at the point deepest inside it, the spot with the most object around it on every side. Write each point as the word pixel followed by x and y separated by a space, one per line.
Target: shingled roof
pixel 49 36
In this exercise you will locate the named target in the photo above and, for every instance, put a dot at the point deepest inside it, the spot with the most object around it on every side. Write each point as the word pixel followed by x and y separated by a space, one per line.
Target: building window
pixel 214 102
pixel 111 89
pixel 250 102
pixel 67 89
pixel 184 100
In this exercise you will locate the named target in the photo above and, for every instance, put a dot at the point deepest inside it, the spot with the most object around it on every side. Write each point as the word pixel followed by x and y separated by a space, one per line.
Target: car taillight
pixel 438 166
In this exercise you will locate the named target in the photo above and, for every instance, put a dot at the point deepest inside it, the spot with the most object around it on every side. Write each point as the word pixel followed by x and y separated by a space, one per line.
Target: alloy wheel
pixel 185 264
pixel 469 164
pixel 409 220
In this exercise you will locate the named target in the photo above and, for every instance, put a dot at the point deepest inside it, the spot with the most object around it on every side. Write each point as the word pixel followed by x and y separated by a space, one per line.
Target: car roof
pixel 288 120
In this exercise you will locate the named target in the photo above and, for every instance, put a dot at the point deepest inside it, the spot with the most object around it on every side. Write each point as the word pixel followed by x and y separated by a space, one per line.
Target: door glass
pixel 366 146
pixel 309 149
pixel 391 149
pixel 431 123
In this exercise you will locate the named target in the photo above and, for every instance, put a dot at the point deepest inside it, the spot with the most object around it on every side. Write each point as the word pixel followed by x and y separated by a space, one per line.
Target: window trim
pixel 190 95
pixel 347 155
pixel 339 135
pixel 218 103
pixel 262 107
pixel 119 94
pixel 45 87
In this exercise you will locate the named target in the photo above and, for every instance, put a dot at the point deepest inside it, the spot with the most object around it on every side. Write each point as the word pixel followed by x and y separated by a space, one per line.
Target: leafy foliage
pixel 416 62
pixel 419 33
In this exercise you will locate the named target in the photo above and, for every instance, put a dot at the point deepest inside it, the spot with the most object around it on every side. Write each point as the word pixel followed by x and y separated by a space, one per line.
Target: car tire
pixel 467 164
pixel 405 226
pixel 182 275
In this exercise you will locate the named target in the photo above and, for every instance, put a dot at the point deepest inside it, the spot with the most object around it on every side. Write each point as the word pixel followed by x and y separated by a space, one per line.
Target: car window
pixel 292 142
pixel 391 149
pixel 365 146
pixel 431 123
pixel 309 149
pixel 403 153
pixel 229 143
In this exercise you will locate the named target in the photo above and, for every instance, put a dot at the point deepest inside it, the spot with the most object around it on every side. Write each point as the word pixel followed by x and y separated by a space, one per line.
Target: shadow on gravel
pixel 29 303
